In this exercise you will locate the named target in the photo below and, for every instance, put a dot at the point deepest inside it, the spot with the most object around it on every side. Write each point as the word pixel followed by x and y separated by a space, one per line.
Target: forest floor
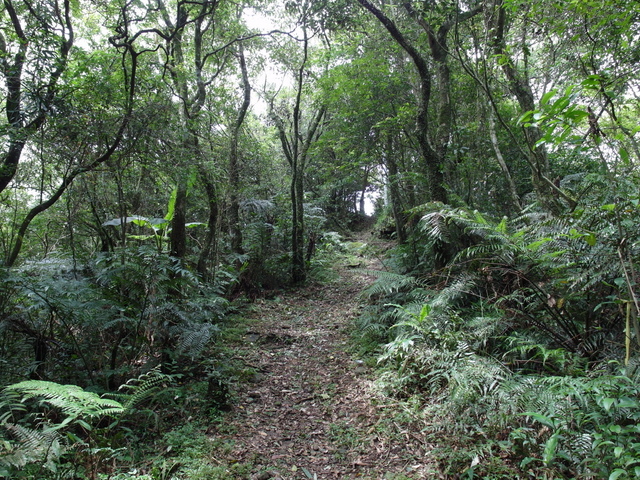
pixel 311 410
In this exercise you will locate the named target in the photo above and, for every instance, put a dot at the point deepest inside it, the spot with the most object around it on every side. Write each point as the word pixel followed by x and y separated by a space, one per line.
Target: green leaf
pixel 627 402
pixel 550 449
pixel 591 239
pixel 118 221
pixel 607 403
pixel 617 473
pixel 543 419
pixel 83 424
pixel 424 312
pixel 535 245
pixel 624 155
pixel 502 226
pixel 592 82
pixel 171 206
pixel 525 117
pixel 141 237
pixel 546 97
pixel 159 222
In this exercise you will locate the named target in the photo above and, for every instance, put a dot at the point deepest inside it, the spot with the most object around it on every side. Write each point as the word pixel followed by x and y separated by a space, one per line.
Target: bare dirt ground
pixel 311 411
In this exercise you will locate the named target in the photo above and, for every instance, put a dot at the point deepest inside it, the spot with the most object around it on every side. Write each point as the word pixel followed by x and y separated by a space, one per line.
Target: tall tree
pixel 433 142
pixel 298 130
pixel 40 36
pixel 92 156
pixel 186 59
pixel 234 160
pixel 520 86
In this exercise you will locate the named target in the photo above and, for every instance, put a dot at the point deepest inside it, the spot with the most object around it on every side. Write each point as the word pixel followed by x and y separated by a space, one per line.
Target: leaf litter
pixel 311 411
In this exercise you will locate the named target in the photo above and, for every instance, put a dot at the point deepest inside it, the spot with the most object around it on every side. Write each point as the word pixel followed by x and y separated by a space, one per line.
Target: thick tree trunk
pixel 178 235
pixel 433 162
pixel 209 245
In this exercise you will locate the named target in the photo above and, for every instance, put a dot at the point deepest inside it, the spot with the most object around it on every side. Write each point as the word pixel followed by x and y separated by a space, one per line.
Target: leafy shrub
pixel 506 347
pixel 134 309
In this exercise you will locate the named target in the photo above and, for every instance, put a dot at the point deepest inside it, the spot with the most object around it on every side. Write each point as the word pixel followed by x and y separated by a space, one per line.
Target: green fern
pixel 42 446
pixel 140 389
pixel 72 400
pixel 194 338
pixel 388 283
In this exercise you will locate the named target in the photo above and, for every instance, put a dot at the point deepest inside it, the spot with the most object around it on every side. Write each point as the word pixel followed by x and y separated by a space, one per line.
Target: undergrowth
pixel 518 358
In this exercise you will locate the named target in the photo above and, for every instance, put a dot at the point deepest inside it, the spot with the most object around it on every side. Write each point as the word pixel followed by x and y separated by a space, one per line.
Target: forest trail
pixel 311 411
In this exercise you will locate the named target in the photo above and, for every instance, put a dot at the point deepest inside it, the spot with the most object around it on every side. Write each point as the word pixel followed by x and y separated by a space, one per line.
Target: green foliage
pixel 588 426
pixel 43 443
pixel 133 310
pixel 48 425
pixel 71 400
pixel 558 116
pixel 503 344
pixel 40 447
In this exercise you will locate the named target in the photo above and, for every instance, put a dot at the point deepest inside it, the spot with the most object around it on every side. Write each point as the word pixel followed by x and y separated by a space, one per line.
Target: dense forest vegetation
pixel 164 162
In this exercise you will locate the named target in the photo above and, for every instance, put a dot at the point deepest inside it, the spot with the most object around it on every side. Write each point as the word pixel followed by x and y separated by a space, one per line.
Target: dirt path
pixel 310 411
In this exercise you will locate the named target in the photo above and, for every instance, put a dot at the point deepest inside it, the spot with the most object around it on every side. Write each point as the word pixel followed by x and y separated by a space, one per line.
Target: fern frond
pixel 388 283
pixel 257 206
pixel 70 399
pixel 435 226
pixel 195 338
pixel 456 290
pixel 139 389
pixel 31 446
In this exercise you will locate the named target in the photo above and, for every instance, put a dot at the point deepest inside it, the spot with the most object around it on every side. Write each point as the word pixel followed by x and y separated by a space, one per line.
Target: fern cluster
pixel 129 311
pixel 509 341
pixel 42 421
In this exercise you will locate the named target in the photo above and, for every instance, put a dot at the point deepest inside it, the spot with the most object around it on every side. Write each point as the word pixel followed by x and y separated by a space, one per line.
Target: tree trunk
pixel 12 66
pixel 395 196
pixel 433 163
pixel 513 192
pixel 234 168
pixel 209 245
pixel 178 235
pixel 298 264
pixel 520 87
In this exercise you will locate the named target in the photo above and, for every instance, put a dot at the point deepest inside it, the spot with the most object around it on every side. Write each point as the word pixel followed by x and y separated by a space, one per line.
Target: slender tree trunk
pixel 127 45
pixel 520 87
pixel 395 196
pixel 12 66
pixel 209 245
pixel 234 168
pixel 513 192
pixel 296 144
pixel 363 192
pixel 298 265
